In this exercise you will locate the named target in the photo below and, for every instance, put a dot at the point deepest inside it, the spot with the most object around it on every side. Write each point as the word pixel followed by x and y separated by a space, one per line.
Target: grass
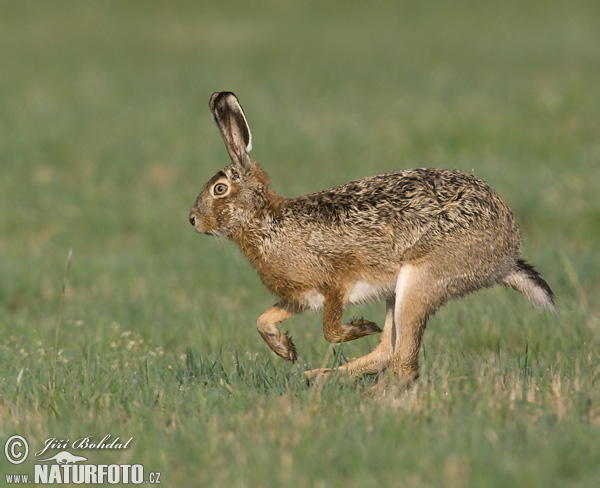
pixel 105 141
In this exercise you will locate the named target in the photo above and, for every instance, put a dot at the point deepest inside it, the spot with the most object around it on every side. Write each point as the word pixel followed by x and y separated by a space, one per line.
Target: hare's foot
pixel 361 327
pixel 317 375
pixel 374 363
pixel 279 342
pixel 351 331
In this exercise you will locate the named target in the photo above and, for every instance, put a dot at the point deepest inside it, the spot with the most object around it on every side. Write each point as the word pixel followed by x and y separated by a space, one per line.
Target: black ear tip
pixel 220 97
pixel 216 100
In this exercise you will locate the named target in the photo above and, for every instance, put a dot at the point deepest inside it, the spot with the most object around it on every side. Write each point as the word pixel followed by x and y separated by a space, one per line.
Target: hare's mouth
pixel 196 226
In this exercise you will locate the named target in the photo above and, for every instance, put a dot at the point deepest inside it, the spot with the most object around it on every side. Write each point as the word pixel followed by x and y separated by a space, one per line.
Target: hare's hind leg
pixel 461 267
pixel 280 342
pixel 427 288
pixel 374 362
pixel 416 299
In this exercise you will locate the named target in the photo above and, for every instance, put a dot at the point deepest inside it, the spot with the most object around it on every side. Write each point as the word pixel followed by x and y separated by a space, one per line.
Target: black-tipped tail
pixel 526 280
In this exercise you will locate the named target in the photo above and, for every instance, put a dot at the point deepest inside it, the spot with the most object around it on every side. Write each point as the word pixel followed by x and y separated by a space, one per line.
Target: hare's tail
pixel 529 282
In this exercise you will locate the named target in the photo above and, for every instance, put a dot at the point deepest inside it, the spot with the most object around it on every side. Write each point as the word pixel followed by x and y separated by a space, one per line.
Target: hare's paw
pixel 281 344
pixel 316 375
pixel 319 376
pixel 290 348
pixel 351 331
pixel 363 327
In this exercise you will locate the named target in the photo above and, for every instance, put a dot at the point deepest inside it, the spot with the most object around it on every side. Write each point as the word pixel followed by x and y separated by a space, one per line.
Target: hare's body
pixel 415 238
pixel 357 236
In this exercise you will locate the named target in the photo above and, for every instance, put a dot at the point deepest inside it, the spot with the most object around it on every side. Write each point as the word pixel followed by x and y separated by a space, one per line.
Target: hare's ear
pixel 230 118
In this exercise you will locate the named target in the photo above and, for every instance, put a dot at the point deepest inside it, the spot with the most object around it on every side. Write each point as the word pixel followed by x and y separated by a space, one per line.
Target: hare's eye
pixel 220 189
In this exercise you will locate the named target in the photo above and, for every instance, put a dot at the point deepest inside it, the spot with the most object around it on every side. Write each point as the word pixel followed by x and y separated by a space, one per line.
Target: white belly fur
pixel 360 291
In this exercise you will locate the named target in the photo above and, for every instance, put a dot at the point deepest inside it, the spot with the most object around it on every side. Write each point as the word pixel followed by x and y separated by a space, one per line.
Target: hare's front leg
pixel 280 342
pixel 374 362
pixel 334 330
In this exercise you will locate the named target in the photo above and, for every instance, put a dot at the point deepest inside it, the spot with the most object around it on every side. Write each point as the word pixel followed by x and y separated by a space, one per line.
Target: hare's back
pixel 417 195
pixel 362 232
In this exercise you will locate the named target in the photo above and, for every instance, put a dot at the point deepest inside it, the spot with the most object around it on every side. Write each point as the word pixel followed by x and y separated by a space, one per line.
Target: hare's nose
pixel 193 220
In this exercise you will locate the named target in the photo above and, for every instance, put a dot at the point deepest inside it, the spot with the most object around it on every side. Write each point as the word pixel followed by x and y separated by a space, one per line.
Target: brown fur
pixel 414 237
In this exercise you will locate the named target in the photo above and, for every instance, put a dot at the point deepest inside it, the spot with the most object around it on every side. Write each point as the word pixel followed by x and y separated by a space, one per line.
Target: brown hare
pixel 415 238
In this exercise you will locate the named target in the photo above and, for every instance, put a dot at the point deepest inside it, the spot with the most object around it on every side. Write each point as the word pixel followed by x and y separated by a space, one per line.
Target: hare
pixel 415 238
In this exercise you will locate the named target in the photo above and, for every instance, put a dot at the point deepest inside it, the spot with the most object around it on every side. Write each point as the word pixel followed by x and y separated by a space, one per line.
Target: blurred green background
pixel 105 141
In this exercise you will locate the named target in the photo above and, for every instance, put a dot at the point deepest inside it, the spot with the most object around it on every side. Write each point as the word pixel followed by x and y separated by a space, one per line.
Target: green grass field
pixel 105 141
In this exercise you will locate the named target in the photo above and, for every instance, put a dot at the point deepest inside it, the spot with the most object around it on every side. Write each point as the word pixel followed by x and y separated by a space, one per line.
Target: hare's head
pixel 237 191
